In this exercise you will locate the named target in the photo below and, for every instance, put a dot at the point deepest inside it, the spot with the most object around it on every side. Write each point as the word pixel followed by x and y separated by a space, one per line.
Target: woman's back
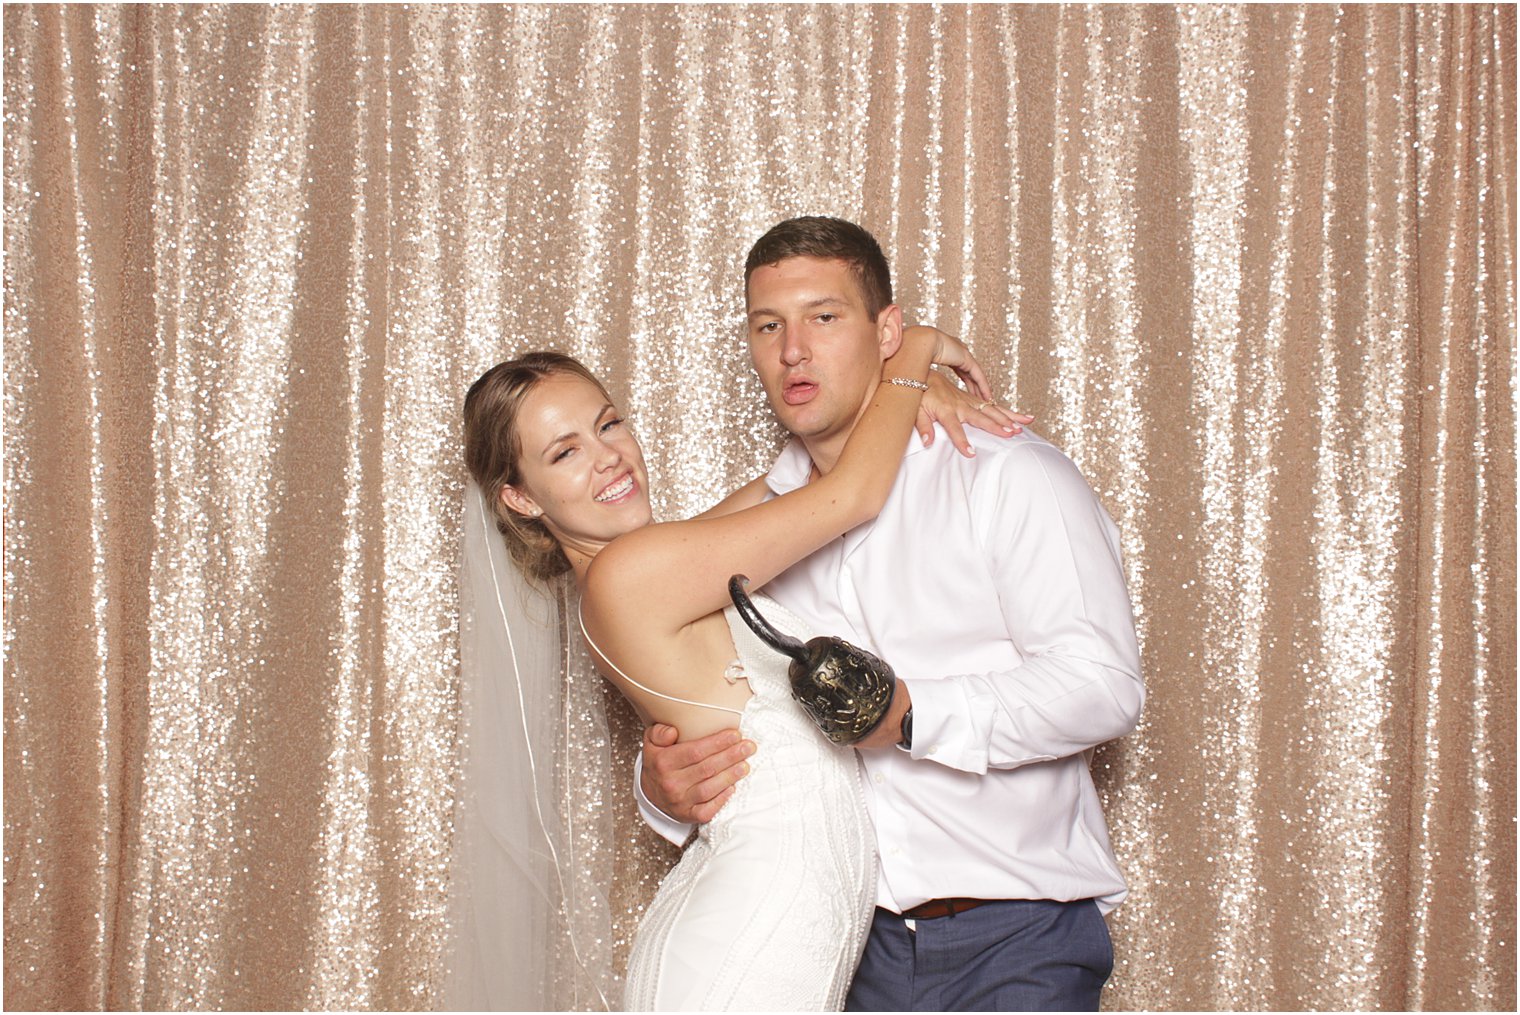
pixel 703 686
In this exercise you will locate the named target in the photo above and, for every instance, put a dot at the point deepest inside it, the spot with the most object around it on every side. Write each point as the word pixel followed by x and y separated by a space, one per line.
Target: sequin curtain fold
pixel 1253 267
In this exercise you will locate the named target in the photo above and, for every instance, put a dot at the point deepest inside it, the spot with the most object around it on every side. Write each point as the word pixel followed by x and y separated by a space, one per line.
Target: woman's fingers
pixel 924 424
pixel 975 379
pixel 956 431
pixel 994 418
pixel 954 408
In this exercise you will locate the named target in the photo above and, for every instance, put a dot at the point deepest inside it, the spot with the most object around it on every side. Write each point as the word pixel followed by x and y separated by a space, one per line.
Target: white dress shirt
pixel 993 587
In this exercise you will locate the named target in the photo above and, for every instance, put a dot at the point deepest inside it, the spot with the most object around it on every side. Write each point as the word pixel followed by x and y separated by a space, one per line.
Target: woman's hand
pixel 950 352
pixel 952 407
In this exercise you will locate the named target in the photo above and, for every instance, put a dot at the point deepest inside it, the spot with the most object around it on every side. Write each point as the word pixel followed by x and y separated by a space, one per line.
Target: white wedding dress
pixel 769 907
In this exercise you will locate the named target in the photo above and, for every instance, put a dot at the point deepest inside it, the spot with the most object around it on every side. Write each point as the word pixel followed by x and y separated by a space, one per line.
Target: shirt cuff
pixel 951 727
pixel 669 829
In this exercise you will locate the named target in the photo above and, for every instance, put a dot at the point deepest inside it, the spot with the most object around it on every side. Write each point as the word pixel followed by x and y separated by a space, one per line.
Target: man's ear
pixel 519 502
pixel 889 330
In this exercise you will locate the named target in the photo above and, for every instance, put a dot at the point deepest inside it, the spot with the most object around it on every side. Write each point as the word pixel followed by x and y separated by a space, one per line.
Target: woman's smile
pixel 618 491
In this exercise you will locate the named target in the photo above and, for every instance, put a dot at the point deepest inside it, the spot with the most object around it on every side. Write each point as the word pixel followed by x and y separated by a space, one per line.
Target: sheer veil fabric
pixel 533 861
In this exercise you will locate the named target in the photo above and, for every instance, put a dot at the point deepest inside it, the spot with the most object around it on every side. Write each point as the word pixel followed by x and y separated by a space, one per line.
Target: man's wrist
pixel 672 830
pixel 889 732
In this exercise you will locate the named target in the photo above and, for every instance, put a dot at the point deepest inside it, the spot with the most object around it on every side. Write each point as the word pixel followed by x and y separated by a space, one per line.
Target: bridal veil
pixel 536 843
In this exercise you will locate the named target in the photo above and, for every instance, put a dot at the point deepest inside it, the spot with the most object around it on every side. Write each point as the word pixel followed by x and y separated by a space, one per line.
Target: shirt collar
pixel 793 465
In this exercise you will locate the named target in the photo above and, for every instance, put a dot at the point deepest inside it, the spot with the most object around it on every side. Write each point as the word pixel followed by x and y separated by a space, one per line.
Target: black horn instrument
pixel 846 690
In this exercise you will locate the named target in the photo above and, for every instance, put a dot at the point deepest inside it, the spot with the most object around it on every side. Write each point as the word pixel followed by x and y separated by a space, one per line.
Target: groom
pixel 993 586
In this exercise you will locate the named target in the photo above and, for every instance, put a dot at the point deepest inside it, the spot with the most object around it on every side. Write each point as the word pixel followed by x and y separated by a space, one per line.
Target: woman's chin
pixel 632 517
pixel 645 517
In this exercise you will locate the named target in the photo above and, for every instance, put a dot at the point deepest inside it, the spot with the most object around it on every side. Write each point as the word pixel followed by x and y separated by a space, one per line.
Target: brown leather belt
pixel 941 907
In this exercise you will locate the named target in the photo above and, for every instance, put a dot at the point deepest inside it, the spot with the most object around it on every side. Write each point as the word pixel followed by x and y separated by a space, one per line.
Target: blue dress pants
pixel 1011 955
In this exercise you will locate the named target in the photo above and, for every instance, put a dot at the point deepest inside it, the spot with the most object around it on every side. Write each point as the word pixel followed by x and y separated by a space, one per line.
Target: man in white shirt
pixel 992 584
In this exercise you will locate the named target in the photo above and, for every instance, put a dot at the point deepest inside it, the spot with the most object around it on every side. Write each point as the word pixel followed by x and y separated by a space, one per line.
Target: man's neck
pixel 825 450
pixel 825 453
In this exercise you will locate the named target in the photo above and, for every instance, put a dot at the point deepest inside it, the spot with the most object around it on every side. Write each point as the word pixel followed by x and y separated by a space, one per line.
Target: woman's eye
pixel 562 455
pixel 611 424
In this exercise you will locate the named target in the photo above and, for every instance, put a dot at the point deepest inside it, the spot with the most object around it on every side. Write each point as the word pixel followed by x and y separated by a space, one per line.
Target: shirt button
pixel 879 778
pixel 932 749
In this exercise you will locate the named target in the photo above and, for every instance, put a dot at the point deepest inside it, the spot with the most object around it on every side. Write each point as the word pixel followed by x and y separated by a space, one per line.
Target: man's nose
pixel 794 347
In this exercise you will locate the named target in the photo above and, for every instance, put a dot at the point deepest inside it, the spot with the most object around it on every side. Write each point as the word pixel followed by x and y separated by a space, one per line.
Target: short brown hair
pixel 493 452
pixel 836 239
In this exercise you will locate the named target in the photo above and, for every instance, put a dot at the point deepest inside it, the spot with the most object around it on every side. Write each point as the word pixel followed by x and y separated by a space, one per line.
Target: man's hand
pixel 691 781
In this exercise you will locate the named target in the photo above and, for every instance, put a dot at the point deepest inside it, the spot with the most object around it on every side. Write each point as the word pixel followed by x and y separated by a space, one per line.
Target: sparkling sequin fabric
pixel 1254 268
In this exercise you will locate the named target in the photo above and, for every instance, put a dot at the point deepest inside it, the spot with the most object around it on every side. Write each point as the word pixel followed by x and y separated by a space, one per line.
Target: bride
pixel 769 906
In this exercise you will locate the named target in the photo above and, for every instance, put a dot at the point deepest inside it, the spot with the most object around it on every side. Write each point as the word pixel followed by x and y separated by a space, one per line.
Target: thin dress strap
pixel 581 619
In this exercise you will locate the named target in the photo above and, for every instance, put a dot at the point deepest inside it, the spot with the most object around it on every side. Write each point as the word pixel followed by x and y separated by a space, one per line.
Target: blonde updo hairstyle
pixel 493 452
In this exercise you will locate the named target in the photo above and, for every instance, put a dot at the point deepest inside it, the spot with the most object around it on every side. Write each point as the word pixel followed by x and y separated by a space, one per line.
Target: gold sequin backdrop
pixel 1253 268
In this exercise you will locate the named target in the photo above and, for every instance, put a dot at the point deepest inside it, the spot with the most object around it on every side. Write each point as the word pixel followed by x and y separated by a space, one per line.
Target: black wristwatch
pixel 906 729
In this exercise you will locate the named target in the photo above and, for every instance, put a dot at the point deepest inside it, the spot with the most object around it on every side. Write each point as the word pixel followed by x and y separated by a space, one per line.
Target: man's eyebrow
pixel 812 304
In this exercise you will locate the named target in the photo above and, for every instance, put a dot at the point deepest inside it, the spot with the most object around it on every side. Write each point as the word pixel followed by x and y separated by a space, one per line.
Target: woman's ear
pixel 519 502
